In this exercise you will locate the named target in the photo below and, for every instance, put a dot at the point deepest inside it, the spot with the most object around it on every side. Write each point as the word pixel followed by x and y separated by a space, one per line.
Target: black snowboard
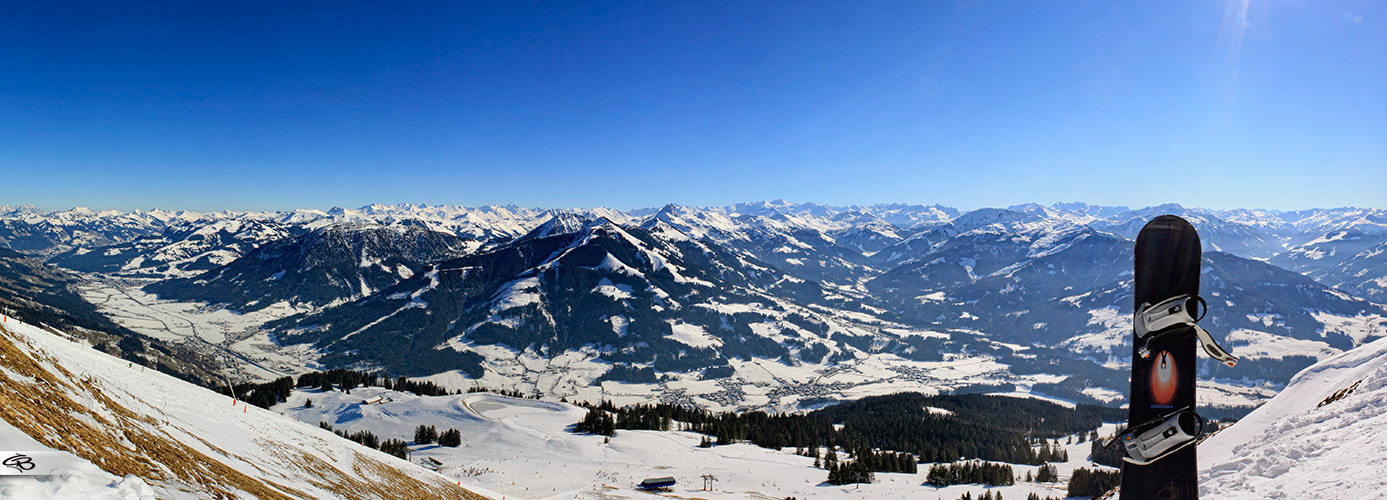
pixel 1167 264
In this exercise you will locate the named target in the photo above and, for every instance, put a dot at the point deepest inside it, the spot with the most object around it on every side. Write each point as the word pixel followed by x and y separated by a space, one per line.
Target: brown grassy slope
pixel 42 399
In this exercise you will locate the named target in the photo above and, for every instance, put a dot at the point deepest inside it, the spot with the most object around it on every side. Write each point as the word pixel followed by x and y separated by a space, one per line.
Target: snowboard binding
pixel 1161 437
pixel 1174 315
pixel 1177 310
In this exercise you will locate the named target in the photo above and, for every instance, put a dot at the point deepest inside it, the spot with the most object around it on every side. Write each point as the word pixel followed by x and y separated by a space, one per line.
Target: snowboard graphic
pixel 1163 379
pixel 1167 264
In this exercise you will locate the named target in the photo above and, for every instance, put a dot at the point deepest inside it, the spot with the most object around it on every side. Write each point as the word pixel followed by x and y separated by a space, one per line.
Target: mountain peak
pixel 670 209
pixel 560 222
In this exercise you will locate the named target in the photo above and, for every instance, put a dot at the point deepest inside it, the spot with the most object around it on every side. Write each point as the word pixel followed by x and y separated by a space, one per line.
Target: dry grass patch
pixel 121 442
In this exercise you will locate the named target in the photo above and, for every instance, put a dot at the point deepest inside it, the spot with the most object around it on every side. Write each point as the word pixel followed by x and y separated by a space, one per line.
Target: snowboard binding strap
pixel 1177 310
pixel 1161 437
pixel 1153 321
pixel 1212 348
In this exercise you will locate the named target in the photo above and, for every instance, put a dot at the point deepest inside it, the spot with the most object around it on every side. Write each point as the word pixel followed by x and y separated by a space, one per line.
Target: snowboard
pixel 1167 262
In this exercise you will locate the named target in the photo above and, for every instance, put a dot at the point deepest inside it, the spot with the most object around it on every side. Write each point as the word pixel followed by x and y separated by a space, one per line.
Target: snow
pixel 932 297
pixel 1036 395
pixel 85 483
pixel 691 335
pixel 1104 395
pixel 611 263
pixel 1115 327
pixel 78 480
pixel 1294 447
pixel 518 293
pixel 224 332
pixel 1223 393
pixel 1253 344
pixel 619 324
pixel 1361 328
pixel 176 441
pixel 736 308
pixel 938 411
pixel 367 326
pixel 908 332
pixel 615 291
pixel 523 449
pixel 968 264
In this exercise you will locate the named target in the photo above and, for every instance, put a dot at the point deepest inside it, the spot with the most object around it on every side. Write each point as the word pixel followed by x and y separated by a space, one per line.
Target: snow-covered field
pixel 524 449
pixel 249 353
pixel 155 436
pixel 137 434
pixel 756 384
pixel 1305 442
pixel 246 352
pixel 1226 393
pixel 234 337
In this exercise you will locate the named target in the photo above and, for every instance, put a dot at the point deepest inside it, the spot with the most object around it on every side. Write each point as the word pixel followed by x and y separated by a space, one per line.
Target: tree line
pixel 428 434
pixel 971 472
pixel 268 394
pixel 995 428
pixel 883 433
pixel 368 439
pixel 263 395
pixel 1086 482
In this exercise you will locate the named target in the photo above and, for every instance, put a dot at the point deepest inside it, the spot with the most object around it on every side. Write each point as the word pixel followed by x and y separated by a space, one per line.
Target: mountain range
pixel 755 305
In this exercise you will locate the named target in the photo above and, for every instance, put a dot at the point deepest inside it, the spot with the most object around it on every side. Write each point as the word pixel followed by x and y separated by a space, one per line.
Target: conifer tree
pixel 395 447
pixel 451 438
pixel 425 434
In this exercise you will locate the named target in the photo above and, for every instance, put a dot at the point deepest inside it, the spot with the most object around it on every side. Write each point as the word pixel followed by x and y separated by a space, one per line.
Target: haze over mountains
pixel 757 305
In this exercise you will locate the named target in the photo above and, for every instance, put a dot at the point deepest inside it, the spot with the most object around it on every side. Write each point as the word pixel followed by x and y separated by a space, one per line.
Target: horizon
pixel 961 210
pixel 263 106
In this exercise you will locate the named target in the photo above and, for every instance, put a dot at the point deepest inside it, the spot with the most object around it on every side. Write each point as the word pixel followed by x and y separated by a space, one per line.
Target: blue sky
pixel 267 106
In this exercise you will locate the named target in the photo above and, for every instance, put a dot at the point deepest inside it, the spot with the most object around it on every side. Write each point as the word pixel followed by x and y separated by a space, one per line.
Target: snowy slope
pixel 78 480
pixel 523 449
pixel 159 437
pixel 1292 447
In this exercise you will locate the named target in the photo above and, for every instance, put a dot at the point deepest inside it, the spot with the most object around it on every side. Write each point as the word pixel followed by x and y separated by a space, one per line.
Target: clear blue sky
pixel 266 106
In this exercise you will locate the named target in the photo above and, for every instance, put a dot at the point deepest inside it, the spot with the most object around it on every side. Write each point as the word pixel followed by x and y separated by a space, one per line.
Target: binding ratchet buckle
pixel 1174 315
pixel 1160 437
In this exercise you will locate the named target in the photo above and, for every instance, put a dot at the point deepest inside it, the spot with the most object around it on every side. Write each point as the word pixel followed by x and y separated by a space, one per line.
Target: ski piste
pixel 1162 424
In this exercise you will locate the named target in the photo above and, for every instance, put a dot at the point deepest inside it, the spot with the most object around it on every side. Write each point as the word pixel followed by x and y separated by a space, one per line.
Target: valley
pixel 769 305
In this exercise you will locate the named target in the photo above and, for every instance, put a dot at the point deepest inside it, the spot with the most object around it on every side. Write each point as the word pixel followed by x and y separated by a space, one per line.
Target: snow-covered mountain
pixel 45 233
pixel 1361 275
pixel 183 248
pixel 328 264
pixel 641 298
pixel 680 292
pixel 1251 236
pixel 1321 437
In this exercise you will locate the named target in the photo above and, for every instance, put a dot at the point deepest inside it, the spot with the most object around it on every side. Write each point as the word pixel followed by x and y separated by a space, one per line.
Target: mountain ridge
pixel 678 294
